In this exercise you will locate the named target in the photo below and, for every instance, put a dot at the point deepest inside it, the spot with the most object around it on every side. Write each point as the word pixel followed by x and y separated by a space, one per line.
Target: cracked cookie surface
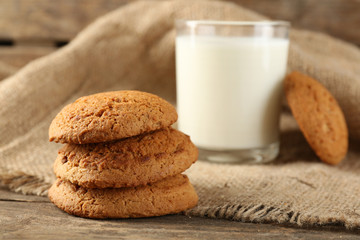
pixel 110 116
pixel 128 162
pixel 168 196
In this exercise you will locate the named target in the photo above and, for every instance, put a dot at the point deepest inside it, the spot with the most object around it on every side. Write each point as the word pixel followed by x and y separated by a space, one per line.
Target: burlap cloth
pixel 133 48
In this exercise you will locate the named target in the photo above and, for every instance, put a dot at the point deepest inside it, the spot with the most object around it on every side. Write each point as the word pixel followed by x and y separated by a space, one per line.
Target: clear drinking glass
pixel 229 87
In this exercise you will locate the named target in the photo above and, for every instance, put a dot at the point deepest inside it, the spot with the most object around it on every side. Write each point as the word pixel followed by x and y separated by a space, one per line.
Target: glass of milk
pixel 229 79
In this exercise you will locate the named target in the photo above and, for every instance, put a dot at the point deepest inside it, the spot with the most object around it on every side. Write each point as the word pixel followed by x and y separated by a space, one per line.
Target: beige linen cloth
pixel 133 48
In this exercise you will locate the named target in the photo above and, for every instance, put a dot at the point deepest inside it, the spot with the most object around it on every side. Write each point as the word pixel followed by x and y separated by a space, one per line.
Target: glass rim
pixel 274 23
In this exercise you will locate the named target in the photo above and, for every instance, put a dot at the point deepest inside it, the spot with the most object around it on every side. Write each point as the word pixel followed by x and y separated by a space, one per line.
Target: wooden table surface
pixel 33 217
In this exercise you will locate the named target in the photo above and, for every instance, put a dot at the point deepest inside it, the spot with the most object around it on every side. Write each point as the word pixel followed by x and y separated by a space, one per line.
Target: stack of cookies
pixel 121 157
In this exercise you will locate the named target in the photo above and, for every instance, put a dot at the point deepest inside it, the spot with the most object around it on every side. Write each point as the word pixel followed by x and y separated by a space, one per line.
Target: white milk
pixel 229 90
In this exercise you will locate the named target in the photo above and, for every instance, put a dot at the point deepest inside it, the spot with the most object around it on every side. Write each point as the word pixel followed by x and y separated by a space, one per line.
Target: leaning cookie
pixel 168 196
pixel 319 116
pixel 110 116
pixel 126 163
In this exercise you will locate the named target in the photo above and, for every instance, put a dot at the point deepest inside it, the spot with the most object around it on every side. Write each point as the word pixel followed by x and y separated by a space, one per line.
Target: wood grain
pixel 31 217
pixel 43 20
pixel 19 56
pixel 339 18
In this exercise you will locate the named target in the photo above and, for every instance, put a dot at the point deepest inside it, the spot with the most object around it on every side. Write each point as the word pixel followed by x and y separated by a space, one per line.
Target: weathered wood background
pixel 33 28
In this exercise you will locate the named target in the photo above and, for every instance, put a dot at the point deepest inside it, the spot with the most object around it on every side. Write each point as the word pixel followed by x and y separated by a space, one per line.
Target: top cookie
pixel 110 116
pixel 319 117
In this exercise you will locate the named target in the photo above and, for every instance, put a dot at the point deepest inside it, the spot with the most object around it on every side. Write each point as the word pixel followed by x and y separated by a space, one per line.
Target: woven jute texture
pixel 133 48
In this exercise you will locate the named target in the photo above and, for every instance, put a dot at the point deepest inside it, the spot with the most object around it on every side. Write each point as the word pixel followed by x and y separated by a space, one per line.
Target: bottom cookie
pixel 168 196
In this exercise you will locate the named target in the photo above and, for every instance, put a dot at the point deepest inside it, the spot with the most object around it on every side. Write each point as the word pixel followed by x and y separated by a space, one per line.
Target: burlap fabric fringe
pixel 133 48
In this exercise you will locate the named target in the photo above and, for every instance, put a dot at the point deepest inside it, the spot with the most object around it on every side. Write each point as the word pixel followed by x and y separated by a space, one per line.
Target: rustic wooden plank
pixel 6 195
pixel 44 221
pixel 43 19
pixel 31 217
pixel 46 19
pixel 20 56
pixel 338 18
